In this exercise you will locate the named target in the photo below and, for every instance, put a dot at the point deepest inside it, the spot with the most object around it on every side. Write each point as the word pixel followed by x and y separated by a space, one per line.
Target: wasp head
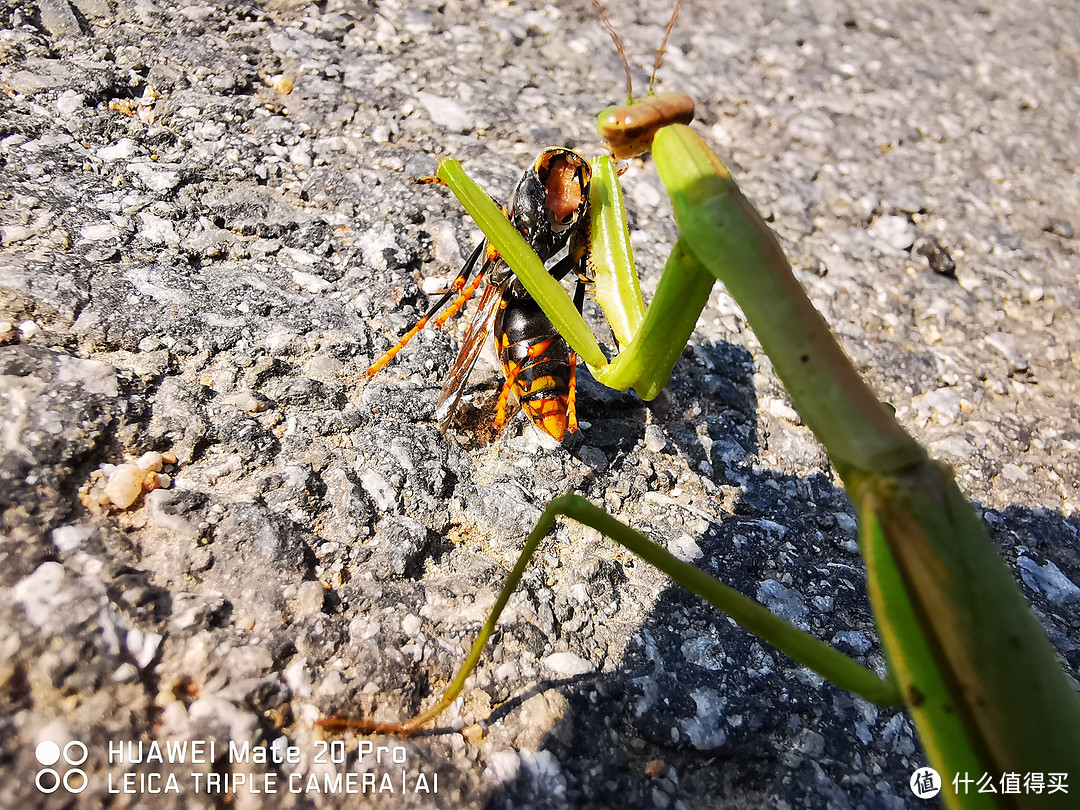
pixel 551 200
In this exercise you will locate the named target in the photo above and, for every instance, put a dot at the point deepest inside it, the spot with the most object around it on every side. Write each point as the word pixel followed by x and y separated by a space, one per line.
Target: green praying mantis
pixel 966 656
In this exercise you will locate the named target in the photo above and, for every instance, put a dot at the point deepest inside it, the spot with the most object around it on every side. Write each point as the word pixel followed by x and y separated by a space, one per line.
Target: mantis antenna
pixel 663 45
pixel 605 20
pixel 601 12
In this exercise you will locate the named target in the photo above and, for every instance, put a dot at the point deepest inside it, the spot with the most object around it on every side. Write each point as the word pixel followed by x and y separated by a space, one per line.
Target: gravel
pixel 210 229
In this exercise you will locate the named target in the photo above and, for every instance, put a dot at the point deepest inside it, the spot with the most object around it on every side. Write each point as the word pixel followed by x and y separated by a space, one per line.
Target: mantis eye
pixel 629 129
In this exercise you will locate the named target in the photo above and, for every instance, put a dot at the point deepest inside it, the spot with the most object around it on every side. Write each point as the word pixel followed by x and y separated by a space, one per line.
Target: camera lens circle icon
pixel 47 780
pixel 76 780
pixel 47 753
pixel 75 753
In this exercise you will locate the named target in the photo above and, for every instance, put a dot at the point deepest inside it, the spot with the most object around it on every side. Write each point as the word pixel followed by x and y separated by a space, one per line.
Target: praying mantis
pixel 966 656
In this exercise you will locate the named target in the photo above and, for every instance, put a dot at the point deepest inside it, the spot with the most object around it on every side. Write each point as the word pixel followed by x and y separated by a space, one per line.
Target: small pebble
pixel 151 461
pixel 895 232
pixel 655 439
pixel 281 83
pixel 121 150
pixel 685 548
pixel 125 485
pixel 13 234
pixel 70 101
pixel 568 664
pixel 99 232
pixel 446 113
pixel 1060 227
pixel 473 734
pixel 301 155
pixel 411 625
pixel 937 256
pixel 781 410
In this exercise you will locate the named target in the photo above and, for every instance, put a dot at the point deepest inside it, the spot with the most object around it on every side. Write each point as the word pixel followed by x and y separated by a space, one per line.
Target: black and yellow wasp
pixel 550 209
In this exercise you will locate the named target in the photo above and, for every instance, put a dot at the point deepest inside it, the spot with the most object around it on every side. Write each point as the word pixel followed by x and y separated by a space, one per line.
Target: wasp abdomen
pixel 536 362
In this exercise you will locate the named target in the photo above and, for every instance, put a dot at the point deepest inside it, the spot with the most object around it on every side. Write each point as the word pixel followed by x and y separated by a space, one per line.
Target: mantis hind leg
pixel 796 643
pixel 406 728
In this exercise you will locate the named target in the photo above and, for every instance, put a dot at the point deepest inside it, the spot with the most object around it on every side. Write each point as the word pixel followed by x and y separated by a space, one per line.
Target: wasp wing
pixel 450 396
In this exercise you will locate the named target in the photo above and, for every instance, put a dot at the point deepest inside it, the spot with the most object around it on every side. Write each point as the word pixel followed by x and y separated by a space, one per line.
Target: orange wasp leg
pixel 571 399
pixel 456 292
pixel 500 408
pixel 461 300
pixel 536 350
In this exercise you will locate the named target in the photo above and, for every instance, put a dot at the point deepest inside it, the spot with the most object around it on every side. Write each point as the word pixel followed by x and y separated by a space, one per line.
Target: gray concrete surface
pixel 209 230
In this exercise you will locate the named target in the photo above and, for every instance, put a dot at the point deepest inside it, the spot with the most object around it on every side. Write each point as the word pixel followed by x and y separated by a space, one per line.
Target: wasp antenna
pixel 606 21
pixel 663 44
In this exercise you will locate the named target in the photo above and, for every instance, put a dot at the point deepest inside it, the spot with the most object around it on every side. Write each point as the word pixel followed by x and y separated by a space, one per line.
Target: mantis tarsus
pixel 967 657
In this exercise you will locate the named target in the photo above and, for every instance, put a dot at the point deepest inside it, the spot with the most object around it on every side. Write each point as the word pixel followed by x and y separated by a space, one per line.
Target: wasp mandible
pixel 549 208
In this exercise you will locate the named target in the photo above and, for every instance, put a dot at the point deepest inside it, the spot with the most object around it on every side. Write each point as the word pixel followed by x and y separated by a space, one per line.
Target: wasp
pixel 549 208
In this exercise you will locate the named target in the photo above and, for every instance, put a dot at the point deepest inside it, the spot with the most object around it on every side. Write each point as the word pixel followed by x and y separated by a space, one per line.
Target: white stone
pixel 568 664
pixel 655 439
pixel 69 101
pixel 157 230
pixel 310 282
pixel 13 234
pixel 121 150
pixel 150 461
pixel 99 232
pixel 895 232
pixel 125 484
pixel 1049 580
pixel 446 112
pixel 69 538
